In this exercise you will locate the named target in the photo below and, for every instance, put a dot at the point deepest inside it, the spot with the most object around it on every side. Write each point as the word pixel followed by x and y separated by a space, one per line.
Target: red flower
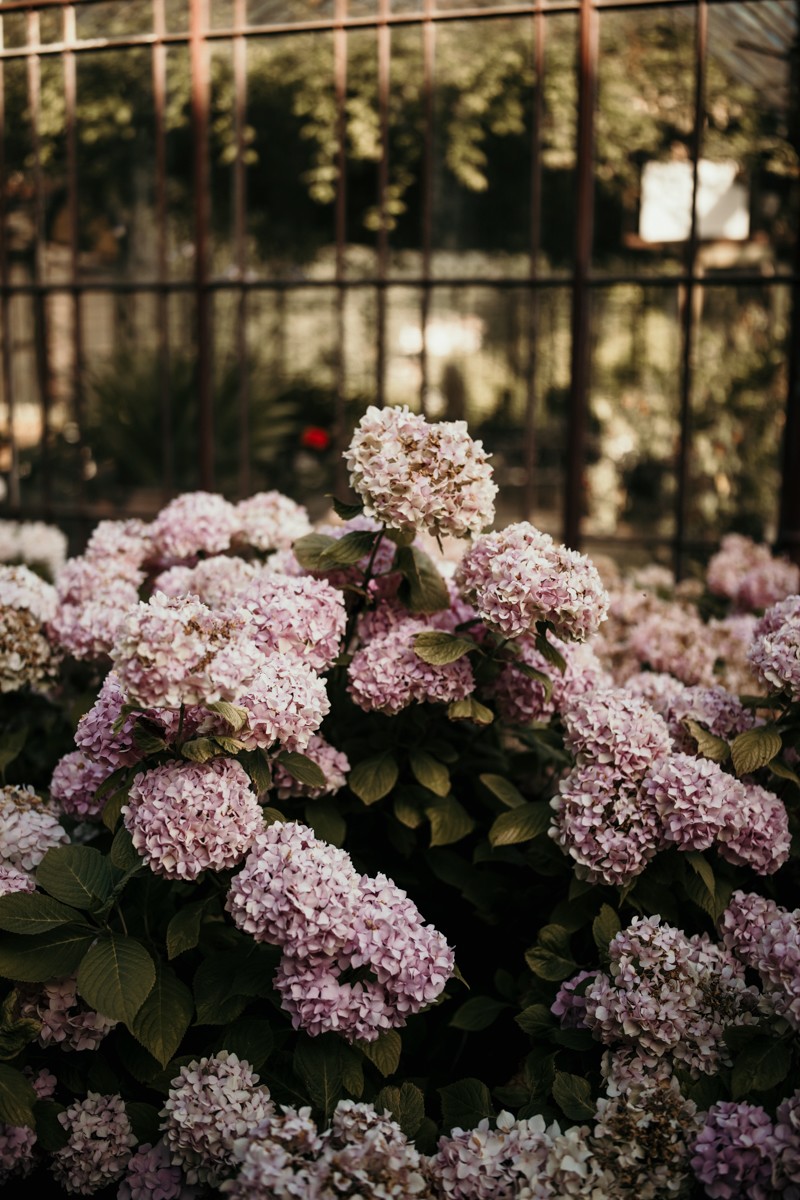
pixel 314 438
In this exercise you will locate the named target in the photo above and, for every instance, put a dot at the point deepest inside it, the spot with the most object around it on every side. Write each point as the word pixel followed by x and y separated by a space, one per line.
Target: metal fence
pixel 403 275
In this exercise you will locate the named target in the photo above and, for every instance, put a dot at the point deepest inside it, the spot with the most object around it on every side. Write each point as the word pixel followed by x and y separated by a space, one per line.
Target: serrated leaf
pixel 51 1135
pixel 17 1097
pixel 521 824
pixel 116 977
pixel 422 589
pixel 605 927
pixel 199 750
pixel 77 875
pixel 164 1016
pixel 755 748
pixel 438 648
pixel 504 790
pixel 12 742
pixel 384 1052
pixel 303 769
pixel 373 778
pixel 762 1064
pixel 348 550
pixel 431 774
pixel 318 1064
pixel 573 1096
pixel 479 1012
pixel 780 769
pixel 309 549
pixel 230 745
pixel 44 956
pixel 536 1020
pixel 708 744
pixel 183 931
pixel 450 822
pixel 345 511
pixel 30 912
pixel 16 1033
pixel 549 653
pixel 465 1104
pixel 326 821
pixel 406 1105
pixel 250 1038
pixel 232 714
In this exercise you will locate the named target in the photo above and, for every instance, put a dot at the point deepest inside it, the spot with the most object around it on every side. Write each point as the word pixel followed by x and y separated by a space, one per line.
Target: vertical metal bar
pixel 162 299
pixel 577 414
pixel 428 84
pixel 529 436
pixel 384 63
pixel 198 49
pixel 5 305
pixel 689 291
pixel 240 240
pixel 340 89
pixel 70 103
pixel 40 331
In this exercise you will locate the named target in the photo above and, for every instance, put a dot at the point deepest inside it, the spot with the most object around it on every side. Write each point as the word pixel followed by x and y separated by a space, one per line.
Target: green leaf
pixel 44 956
pixel 308 550
pixel 755 748
pixel 406 1105
pixel 232 714
pixel 373 778
pixel 702 868
pixel 479 1012
pixel 450 822
pixel 353 1074
pixel 708 744
pixel 16 1032
pixel 431 774
pixel 11 744
pixel 256 763
pixel 223 982
pixel 30 912
pixel 271 815
pixel 550 653
pixel 521 824
pixel 422 589
pixel 230 745
pixel 465 1103
pixel 407 813
pixel 552 958
pixel 780 769
pixel 470 709
pixel 144 1120
pixel 605 928
pixel 17 1097
pixel 344 511
pixel 162 1020
pixel 303 769
pixel 438 648
pixel 573 1096
pixel 116 977
pixel 318 1063
pixel 112 809
pixel 384 1052
pixel 199 750
pixel 536 1020
pixel 326 821
pixel 77 875
pixel 348 550
pixel 762 1064
pixel 51 1135
pixel 124 855
pixel 183 931
pixel 146 739
pixel 503 789
pixel 402 537
pixel 250 1038
pixel 532 673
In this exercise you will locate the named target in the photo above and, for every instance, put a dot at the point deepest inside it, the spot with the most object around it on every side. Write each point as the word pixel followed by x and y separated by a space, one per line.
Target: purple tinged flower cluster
pixel 13 880
pixel 786 1174
pixel 749 575
pixel 775 649
pixel 95 735
pixel 17 1142
pixel 66 1020
pixel 333 763
pixel 519 576
pixel 734 1155
pixel 88 631
pixel 28 828
pixel 123 546
pixel 99 1144
pixel 186 818
pixel 692 797
pixel 715 708
pixel 766 937
pixel 614 729
pixel 659 691
pixel 304 616
pixel 74 783
pixel 755 832
pixel 270 521
pixel 519 699
pixel 570 1004
pixel 216 581
pixel 193 523
pixel 286 702
pixel 410 473
pixel 212 1102
pixel 673 641
pixel 306 897
pixel 670 995
pixel 386 675
pixel 150 1175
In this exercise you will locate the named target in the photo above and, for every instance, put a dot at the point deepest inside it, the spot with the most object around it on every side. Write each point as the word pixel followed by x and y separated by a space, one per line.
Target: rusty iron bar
pixel 198 45
pixel 240 244
pixel 577 407
pixel 529 435
pixel 340 225
pixel 159 65
pixel 382 248
pixel 687 313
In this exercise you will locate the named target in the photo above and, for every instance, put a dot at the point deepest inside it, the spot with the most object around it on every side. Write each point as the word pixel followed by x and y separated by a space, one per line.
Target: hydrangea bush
pixel 378 868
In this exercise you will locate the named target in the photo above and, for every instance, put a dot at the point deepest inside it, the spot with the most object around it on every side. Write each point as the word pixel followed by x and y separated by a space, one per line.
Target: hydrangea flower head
pixel 193 523
pixel 270 521
pixel 734 1155
pixel 99 1145
pixel 28 828
pixel 387 675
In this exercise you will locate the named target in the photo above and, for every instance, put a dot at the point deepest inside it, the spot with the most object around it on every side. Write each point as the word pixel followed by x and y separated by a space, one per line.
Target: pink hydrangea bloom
pixel 286 702
pixel 334 765
pixel 387 676
pixel 95 735
pixel 75 780
pixel 519 576
pixel 121 546
pixel 775 650
pixel 611 728
pixel 713 707
pixel 305 617
pixel 691 796
pixel 427 476
pixel 734 1155
pixel 13 880
pixel 488 1163
pixel 193 523
pixel 786 1173
pixel 319 1001
pixel 212 1102
pixel 16 1151
pixel 66 1020
pixel 216 581
pixel 22 588
pixel 270 521
pixel 27 658
pixel 766 937
pixel 755 829
pixel 177 651
pixel 87 578
pixel 28 828
pixel 99 1145
pixel 747 574
pixel 88 630
pixel 673 641
pixel 150 1175
pixel 569 1005
pixel 277 1160
pixel 658 690
pixel 186 818
pixel 520 699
